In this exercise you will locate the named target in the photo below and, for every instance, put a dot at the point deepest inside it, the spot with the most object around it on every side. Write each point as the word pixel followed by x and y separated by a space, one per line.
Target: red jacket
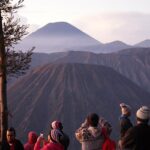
pixel 48 146
pixel 53 146
pixel 108 144
pixel 32 137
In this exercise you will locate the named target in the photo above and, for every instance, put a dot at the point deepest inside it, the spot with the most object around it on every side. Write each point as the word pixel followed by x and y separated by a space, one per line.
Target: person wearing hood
pixel 64 139
pixel 32 138
pixel 90 133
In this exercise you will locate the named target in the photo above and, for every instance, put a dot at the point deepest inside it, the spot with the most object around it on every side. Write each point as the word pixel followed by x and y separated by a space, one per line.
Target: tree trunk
pixel 3 87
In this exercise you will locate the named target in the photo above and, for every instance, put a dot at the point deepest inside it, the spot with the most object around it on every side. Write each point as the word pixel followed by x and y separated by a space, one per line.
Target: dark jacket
pixel 64 140
pixel 125 124
pixel 17 144
pixel 137 138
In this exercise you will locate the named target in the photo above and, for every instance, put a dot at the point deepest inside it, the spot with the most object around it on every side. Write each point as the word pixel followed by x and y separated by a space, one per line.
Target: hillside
pixel 69 92
pixel 133 63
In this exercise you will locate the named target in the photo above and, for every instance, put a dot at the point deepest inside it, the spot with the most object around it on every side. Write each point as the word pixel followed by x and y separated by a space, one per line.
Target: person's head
pixel 125 109
pixel 93 119
pixel 32 137
pixel 10 135
pixel 54 135
pixel 143 114
pixel 56 125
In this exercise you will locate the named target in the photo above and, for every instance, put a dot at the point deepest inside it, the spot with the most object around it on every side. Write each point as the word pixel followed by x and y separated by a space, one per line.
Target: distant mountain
pixel 68 92
pixel 62 36
pixel 58 37
pixel 145 43
pixel 115 46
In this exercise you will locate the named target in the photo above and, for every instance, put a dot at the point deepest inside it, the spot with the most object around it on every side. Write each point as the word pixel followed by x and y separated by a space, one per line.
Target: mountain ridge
pixel 145 43
pixel 134 63
pixel 62 36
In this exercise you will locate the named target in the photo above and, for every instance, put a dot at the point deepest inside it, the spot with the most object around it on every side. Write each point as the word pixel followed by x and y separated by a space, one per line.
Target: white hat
pixel 143 113
pixel 125 108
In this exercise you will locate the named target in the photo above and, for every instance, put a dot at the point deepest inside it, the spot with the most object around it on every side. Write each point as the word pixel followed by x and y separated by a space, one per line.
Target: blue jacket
pixel 125 124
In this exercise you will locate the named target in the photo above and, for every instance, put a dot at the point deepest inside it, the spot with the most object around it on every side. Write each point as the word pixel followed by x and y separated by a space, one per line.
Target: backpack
pixel 108 144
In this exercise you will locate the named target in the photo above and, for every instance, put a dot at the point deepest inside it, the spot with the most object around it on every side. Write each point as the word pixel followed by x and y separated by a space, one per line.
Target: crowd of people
pixel 56 140
pixel 93 134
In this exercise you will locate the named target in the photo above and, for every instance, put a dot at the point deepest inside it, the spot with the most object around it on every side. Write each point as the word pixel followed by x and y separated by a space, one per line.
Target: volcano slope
pixel 68 92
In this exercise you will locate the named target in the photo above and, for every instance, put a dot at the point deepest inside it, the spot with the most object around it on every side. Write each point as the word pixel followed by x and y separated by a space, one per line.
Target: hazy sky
pixel 105 20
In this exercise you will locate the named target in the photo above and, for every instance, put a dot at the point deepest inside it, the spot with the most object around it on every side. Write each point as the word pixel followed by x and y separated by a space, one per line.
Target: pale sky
pixel 105 20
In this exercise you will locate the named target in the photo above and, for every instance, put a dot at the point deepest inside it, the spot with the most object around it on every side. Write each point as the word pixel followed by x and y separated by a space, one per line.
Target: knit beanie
pixel 143 113
pixel 125 108
pixel 56 125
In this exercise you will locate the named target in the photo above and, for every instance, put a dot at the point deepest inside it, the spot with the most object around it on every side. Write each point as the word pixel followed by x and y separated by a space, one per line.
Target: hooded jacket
pixel 32 137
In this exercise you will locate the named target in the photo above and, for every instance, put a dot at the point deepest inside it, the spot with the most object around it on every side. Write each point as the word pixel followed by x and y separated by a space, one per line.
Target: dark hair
pixel 145 121
pixel 93 119
pixel 11 129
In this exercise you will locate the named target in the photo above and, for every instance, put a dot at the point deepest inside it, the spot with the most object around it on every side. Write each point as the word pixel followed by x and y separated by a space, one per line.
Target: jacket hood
pixel 95 131
pixel 32 137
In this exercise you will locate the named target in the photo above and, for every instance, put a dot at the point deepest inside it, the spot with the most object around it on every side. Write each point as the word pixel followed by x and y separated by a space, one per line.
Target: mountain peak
pixel 58 28
pixel 145 43
pixel 56 37
pixel 117 42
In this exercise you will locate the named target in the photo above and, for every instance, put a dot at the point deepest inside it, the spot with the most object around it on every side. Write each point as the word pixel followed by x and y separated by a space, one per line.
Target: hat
pixel 143 113
pixel 56 125
pixel 125 108
pixel 55 135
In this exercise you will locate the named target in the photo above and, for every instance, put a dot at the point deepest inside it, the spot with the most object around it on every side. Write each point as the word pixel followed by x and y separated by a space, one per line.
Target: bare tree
pixel 12 62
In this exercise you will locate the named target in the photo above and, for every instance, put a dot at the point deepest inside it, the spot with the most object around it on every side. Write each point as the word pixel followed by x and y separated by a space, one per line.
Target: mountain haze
pixel 69 92
pixel 62 36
